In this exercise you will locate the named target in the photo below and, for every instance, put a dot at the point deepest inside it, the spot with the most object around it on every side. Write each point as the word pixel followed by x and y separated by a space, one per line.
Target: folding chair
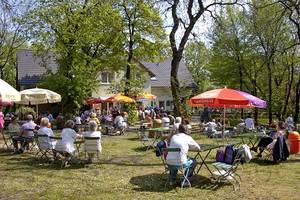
pixel 92 145
pixel 45 147
pixel 66 157
pixel 7 139
pixel 143 137
pixel 229 171
pixel 181 168
pixel 31 141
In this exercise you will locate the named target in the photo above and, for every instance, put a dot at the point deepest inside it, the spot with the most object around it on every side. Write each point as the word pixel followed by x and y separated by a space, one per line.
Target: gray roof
pixel 162 70
pixel 31 67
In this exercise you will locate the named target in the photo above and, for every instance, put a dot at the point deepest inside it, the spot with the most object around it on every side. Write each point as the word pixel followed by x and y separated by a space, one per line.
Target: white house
pixel 31 67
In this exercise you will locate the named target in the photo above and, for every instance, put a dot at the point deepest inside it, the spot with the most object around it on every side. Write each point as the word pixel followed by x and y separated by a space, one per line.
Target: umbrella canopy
pixel 223 97
pixel 36 96
pixel 145 96
pixel 119 98
pixel 8 94
pixel 226 98
pixel 254 101
pixel 93 100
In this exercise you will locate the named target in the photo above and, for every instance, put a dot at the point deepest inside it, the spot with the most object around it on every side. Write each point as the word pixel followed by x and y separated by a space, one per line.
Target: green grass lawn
pixel 126 171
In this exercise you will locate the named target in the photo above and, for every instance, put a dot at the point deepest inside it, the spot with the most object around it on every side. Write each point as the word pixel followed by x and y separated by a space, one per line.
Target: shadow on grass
pixel 6 152
pixel 23 162
pixel 159 183
pixel 143 149
pixel 262 162
pixel 131 160
pixel 132 139
pixel 151 183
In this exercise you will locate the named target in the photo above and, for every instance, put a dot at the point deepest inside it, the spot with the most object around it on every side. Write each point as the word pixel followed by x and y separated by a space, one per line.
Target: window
pixel 106 77
pixel 168 103
pixel 161 104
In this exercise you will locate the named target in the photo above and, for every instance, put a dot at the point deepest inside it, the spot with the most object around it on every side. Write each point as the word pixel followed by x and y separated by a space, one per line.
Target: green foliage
pixel 142 29
pixel 135 85
pixel 197 58
pixel 85 41
pixel 22 111
pixel 131 109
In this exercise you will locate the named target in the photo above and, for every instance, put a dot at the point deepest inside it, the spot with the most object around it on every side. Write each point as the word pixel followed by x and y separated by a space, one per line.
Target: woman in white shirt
pixel 68 136
pixel 92 146
pixel 45 142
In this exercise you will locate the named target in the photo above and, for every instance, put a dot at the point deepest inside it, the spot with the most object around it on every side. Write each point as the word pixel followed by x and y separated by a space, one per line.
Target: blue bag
pixel 220 155
pixel 230 153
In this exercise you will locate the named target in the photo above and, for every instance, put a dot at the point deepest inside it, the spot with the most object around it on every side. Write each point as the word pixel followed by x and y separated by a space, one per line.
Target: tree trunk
pixel 178 111
pixel 270 93
pixel 128 74
pixel 241 81
pixel 288 90
pixel 255 109
pixel 297 101
pixel 128 67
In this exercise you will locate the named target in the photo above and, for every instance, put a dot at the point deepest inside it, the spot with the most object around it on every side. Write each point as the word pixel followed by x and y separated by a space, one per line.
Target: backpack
pixel 220 155
pixel 230 153
pixel 160 145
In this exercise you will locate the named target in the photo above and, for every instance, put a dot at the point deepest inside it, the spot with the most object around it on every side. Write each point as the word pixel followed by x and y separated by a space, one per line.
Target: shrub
pixel 23 111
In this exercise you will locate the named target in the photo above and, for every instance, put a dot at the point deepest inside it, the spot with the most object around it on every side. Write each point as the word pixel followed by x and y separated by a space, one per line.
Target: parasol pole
pixel 37 110
pixel 223 130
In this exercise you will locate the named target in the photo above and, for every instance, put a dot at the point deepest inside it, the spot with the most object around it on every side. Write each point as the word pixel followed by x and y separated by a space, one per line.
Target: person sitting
pixel 93 117
pixel 249 123
pixel 240 128
pixel 93 127
pixel 25 135
pixel 157 122
pixel 13 126
pixel 185 143
pixel 178 121
pixel 270 140
pixel 45 142
pixel 165 121
pixel 172 119
pixel 119 122
pixel 211 127
pixel 149 120
pixel 65 146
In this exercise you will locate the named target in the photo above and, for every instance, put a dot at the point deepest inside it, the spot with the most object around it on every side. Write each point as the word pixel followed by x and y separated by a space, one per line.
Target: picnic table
pixel 251 139
pixel 159 133
pixel 201 160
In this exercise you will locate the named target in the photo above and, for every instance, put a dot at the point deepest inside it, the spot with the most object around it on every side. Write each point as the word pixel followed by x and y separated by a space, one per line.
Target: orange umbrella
pixel 120 98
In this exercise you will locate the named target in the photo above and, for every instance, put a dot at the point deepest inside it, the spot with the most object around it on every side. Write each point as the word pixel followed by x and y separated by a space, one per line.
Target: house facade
pixel 30 68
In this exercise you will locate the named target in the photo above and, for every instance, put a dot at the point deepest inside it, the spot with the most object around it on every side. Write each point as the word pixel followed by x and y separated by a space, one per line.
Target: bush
pixel 23 111
pixel 132 113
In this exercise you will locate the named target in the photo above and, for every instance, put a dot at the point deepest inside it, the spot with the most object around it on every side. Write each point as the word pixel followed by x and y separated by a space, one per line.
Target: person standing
pixel 290 122
pixel 1 120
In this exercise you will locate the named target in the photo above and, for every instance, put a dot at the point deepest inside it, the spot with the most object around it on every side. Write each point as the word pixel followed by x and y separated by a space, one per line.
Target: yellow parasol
pixel 120 98
pixel 145 96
